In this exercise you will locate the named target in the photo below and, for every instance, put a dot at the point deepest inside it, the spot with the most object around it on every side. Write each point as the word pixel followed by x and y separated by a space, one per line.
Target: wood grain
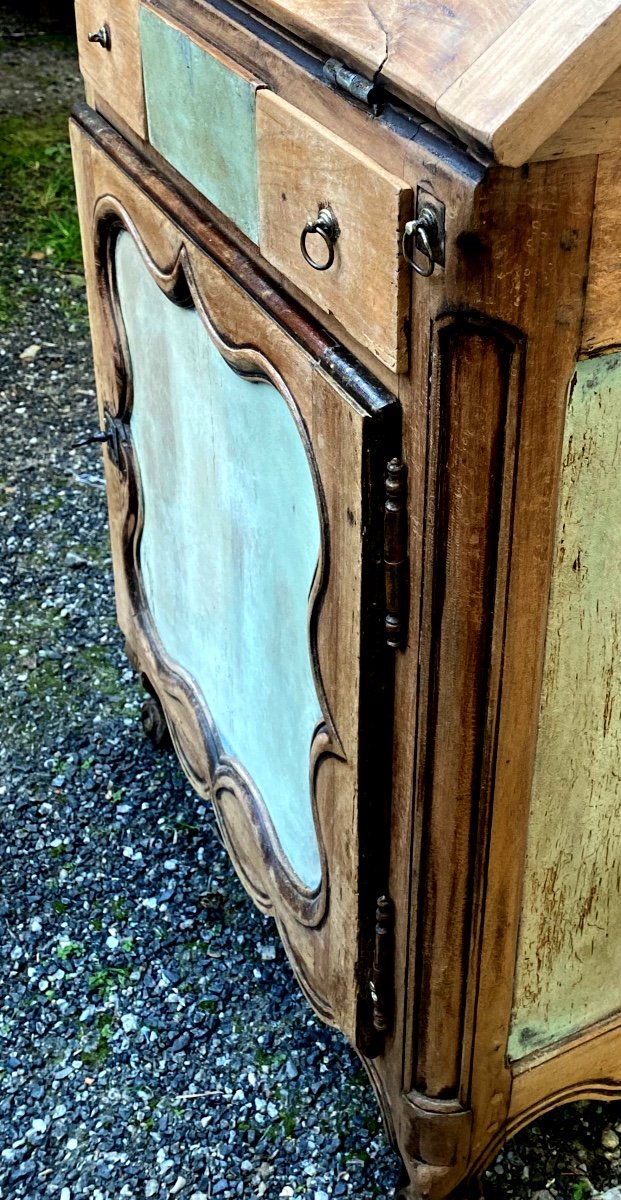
pixel 534 76
pixel 418 49
pixel 201 117
pixel 114 73
pixel 352 429
pixel 594 128
pixel 602 312
pixel 302 167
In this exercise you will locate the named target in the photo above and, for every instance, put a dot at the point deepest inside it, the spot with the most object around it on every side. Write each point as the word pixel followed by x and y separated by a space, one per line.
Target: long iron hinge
pixel 382 977
pixel 395 553
pixel 355 85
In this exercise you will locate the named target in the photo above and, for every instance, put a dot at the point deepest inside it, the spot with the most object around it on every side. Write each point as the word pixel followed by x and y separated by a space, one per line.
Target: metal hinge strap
pixel 382 982
pixel 395 552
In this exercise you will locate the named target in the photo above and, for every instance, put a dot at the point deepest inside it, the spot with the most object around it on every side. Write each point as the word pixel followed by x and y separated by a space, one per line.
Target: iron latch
pixel 113 435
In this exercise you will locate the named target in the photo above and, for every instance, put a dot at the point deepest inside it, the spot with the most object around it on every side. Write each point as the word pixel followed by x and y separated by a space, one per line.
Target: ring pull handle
pixel 326 225
pixel 420 236
pixel 102 37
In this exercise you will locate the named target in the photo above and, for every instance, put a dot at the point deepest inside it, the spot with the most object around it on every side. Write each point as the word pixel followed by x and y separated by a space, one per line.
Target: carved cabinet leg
pixel 154 723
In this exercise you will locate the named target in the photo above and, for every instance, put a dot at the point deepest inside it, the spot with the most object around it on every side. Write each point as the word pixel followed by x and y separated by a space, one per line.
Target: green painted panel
pixel 229 548
pixel 201 117
pixel 569 958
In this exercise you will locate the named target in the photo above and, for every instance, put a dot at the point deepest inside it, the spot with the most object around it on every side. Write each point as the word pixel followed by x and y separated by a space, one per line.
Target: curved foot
pixel 154 723
pixel 471 1189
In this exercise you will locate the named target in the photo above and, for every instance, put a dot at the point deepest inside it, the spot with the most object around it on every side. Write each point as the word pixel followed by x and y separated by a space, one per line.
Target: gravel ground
pixel 153 1042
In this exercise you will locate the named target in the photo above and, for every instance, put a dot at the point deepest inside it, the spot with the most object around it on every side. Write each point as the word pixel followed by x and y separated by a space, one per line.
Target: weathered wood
pixel 534 76
pixel 428 814
pixel 303 167
pixel 594 128
pixel 350 432
pixel 201 117
pixel 115 72
pixel 569 956
pixel 602 311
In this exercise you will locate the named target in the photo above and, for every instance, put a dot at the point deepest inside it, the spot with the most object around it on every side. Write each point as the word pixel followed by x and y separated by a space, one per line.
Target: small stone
pixel 613 1193
pixel 291 1069
pixel 38 1125
pixel 177 1186
pixel 151 1188
pixel 65 1194
pixel 75 560
pixel 129 1022
pixel 35 925
pixel 321 1196
pixel 268 952
pixel 286 1191
pixel 222 1186
pixel 610 1139
pixel 30 353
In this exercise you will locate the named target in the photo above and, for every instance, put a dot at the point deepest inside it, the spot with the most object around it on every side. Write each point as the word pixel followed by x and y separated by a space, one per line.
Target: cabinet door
pixel 246 467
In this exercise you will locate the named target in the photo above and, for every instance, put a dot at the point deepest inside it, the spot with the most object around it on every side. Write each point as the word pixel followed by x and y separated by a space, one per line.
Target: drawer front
pixel 304 167
pixel 201 118
pixel 112 65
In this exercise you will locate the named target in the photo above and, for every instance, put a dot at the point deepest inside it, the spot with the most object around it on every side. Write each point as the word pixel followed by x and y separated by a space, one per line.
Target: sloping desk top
pixel 506 75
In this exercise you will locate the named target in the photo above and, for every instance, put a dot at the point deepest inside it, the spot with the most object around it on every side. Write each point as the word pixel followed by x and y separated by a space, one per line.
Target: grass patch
pixel 39 208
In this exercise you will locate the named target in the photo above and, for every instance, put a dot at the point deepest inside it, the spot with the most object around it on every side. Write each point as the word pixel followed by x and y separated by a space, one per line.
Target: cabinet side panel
pixel 569 956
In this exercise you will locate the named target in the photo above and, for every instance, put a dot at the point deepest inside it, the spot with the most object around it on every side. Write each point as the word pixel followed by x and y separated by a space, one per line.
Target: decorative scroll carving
pixel 213 772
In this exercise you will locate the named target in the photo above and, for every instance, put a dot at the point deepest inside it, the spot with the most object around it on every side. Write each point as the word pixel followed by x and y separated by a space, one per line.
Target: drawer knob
pixel 420 237
pixel 101 36
pixel 326 226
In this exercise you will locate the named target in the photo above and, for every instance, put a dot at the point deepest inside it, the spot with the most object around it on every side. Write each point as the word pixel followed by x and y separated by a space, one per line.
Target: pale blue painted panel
pixel 201 117
pixel 230 546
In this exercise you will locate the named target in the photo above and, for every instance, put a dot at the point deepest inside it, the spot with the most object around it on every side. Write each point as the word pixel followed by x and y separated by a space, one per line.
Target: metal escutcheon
pixel 420 236
pixel 101 36
pixel 324 224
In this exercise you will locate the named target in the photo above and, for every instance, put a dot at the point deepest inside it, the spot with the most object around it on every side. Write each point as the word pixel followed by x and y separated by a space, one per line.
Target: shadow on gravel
pixel 152 1040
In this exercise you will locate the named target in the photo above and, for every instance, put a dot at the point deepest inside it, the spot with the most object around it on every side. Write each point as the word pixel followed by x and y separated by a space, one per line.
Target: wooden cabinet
pixel 363 518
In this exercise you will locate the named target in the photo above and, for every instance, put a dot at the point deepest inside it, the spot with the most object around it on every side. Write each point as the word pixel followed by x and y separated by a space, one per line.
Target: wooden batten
pixel 602 312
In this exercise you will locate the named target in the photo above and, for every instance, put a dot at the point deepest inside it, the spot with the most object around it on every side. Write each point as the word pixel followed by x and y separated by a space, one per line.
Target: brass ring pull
pixel 325 224
pixel 101 36
pixel 419 235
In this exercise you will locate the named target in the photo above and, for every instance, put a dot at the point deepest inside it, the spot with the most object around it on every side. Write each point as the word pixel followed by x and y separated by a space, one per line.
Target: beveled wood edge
pixel 533 77
pixel 359 382
pixel 558 1075
pixel 214 774
pixel 511 341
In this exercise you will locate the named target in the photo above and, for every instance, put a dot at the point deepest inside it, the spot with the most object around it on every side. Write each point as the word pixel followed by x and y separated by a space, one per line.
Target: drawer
pixel 201 117
pixel 111 65
pixel 305 168
pixel 270 169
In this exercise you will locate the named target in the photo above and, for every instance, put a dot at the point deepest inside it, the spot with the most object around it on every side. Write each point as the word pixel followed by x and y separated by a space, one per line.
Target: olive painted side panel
pixel 229 548
pixel 201 117
pixel 569 959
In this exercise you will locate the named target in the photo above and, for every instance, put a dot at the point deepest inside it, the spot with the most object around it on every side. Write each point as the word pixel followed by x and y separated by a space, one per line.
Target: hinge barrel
pixel 395 553
pixel 355 85
pixel 382 984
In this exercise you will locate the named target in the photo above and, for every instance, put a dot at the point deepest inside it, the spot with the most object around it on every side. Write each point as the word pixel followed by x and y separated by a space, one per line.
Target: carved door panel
pixel 245 469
